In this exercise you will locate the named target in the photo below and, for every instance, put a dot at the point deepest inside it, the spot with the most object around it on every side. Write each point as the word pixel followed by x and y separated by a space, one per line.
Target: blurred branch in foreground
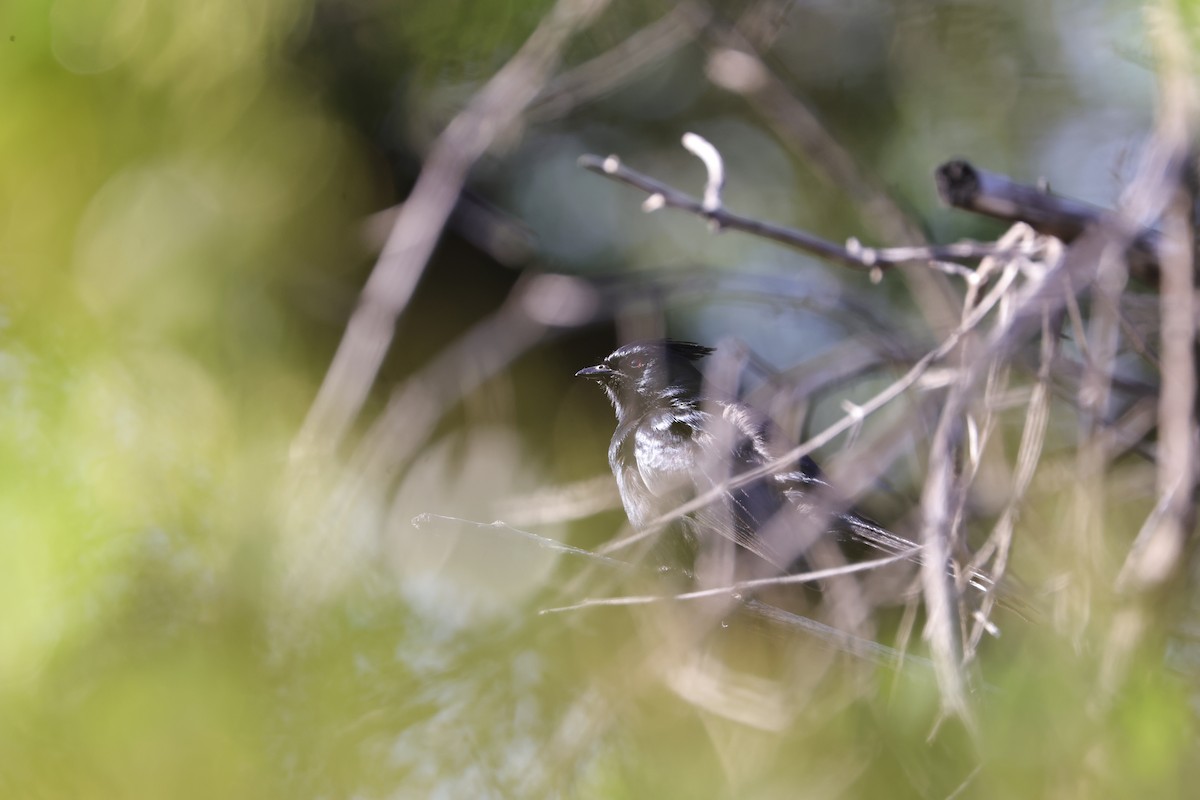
pixel 418 226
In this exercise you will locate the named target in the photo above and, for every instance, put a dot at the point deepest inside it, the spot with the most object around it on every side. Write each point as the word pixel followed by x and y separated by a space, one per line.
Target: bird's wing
pixel 666 448
pixel 680 455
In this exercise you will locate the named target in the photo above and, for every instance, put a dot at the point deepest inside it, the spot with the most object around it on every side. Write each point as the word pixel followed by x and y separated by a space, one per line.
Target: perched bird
pixel 674 443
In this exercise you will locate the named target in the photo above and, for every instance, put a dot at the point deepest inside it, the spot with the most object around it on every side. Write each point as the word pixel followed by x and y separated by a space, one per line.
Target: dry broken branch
pixel 962 185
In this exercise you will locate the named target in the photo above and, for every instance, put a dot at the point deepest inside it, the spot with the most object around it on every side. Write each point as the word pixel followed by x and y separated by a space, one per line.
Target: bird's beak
pixel 599 373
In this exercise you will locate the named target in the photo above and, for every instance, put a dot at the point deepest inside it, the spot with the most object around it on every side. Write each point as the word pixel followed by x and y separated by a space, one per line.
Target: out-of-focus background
pixel 198 599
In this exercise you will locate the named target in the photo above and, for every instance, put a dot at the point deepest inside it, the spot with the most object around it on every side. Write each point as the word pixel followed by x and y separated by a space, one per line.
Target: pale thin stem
pixel 735 589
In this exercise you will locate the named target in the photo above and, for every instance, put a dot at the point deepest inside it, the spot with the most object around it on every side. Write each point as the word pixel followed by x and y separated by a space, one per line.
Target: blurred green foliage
pixel 167 178
pixel 182 191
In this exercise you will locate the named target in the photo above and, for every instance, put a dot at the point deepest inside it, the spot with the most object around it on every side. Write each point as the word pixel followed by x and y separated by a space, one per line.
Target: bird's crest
pixel 689 350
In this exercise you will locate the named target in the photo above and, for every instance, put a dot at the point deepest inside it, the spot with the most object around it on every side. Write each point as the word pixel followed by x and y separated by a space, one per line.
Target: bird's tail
pixel 866 532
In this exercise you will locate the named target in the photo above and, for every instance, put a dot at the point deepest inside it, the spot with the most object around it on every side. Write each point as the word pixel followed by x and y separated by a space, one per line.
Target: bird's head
pixel 649 374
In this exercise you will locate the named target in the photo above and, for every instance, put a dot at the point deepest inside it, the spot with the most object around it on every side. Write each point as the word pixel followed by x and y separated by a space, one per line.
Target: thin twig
pixel 735 589
pixel 941 599
pixel 425 521
pixel 1033 437
pixel 847 642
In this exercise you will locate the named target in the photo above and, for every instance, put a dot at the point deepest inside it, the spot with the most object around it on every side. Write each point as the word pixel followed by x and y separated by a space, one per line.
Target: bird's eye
pixel 636 363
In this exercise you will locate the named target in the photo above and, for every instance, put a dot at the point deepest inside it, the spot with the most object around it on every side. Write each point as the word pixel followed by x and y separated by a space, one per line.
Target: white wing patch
pixel 664 445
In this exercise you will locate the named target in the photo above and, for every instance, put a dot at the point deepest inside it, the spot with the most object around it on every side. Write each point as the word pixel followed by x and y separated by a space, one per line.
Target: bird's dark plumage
pixel 673 442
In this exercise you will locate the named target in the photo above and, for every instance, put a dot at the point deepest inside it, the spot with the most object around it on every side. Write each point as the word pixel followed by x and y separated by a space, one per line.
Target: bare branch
pixel 937 536
pixel 853 255
pixel 1033 436
pixel 1157 553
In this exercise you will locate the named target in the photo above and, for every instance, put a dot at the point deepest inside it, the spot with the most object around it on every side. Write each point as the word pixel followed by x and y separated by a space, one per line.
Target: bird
pixel 675 442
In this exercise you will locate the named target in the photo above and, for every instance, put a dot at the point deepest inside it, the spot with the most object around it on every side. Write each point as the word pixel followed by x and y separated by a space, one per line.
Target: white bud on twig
pixel 700 147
